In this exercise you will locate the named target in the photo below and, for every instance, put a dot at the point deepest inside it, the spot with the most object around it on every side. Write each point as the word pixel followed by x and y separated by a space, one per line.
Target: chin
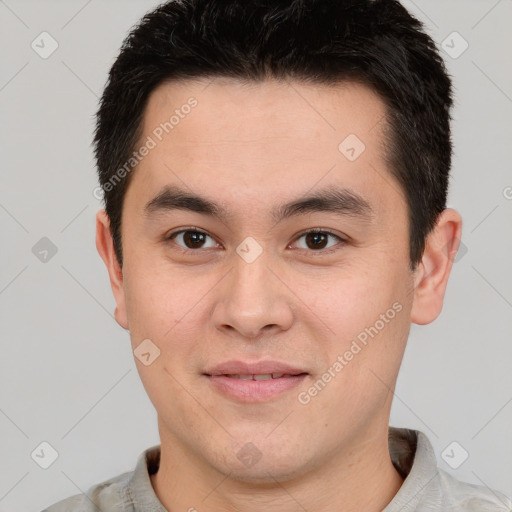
pixel 264 463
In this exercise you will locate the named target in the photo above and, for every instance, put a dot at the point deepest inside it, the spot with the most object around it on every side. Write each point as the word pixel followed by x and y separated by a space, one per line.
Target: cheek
pixel 367 313
pixel 147 303
pixel 167 306
pixel 160 308
pixel 346 300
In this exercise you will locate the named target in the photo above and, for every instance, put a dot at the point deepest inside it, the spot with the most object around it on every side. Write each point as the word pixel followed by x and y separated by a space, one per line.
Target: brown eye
pixel 191 239
pixel 318 241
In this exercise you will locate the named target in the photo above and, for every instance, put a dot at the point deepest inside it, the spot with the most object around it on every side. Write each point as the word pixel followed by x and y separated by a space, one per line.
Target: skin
pixel 250 148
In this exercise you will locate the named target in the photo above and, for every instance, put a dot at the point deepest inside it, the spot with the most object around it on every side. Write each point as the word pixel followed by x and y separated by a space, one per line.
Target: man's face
pixel 253 286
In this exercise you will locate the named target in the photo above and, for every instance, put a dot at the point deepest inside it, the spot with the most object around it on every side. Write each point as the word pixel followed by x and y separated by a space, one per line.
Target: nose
pixel 253 300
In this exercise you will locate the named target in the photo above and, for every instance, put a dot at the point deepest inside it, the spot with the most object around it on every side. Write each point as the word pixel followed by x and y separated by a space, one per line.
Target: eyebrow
pixel 336 200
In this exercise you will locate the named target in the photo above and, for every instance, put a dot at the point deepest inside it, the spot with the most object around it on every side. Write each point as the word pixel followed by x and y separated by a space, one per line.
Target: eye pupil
pixel 316 238
pixel 195 238
pixel 192 239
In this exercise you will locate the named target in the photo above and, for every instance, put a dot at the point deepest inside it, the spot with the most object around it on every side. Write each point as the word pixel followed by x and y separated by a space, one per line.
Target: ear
pixel 431 274
pixel 105 246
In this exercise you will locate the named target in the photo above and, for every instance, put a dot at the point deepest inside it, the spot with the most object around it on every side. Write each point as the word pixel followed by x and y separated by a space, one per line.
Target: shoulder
pixel 465 497
pixel 427 488
pixel 109 496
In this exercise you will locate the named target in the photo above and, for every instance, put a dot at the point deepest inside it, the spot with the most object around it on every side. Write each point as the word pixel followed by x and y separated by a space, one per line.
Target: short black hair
pixel 374 42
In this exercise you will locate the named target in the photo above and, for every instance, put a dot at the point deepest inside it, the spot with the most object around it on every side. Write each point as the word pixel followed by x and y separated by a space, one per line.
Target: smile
pixel 254 387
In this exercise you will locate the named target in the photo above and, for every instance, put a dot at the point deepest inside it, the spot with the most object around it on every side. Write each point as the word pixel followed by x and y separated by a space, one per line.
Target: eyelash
pixel 319 252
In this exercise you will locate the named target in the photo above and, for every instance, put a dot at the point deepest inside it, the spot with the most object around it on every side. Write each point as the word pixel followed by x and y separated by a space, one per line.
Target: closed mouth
pixel 263 376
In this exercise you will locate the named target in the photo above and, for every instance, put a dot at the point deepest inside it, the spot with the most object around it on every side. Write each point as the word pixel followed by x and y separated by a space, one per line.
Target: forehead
pixel 263 139
pixel 270 110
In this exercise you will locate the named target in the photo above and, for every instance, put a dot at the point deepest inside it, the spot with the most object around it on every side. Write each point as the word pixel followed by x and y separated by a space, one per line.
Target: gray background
pixel 67 372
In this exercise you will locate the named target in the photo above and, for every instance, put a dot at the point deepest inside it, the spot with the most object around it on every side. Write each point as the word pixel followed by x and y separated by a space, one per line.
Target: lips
pixel 254 382
pixel 265 376
pixel 262 370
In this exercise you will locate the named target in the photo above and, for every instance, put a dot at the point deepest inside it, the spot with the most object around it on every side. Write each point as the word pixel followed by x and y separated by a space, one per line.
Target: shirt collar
pixel 414 458
pixel 410 451
pixel 139 486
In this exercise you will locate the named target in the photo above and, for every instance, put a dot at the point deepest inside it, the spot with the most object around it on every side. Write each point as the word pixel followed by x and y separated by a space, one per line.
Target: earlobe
pixel 105 247
pixel 432 273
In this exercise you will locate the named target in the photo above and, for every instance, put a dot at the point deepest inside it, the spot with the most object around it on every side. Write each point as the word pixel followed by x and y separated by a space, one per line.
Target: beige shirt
pixel 426 487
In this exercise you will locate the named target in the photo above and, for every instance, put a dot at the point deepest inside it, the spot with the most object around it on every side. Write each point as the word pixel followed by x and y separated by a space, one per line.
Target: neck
pixel 360 477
